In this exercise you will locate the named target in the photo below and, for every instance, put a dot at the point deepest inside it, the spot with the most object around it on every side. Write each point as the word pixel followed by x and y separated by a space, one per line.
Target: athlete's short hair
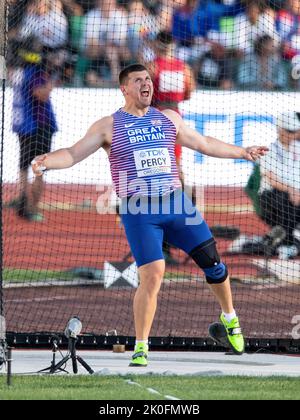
pixel 130 69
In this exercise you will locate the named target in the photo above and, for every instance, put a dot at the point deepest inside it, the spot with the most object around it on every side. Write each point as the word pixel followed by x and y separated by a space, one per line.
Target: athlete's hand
pixel 255 152
pixel 38 165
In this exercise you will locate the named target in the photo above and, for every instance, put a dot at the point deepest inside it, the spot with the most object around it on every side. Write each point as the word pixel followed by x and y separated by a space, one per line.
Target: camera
pixel 73 328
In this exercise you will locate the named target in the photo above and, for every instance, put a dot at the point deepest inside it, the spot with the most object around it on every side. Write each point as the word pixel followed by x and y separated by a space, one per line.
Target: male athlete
pixel 140 142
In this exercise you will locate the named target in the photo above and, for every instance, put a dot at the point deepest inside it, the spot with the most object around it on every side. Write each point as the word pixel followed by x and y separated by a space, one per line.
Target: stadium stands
pixel 217 37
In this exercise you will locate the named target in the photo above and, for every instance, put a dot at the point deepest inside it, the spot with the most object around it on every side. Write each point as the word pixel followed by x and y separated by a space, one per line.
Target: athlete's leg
pixel 36 193
pixel 145 300
pixel 207 258
pixel 186 239
pixel 42 145
pixel 22 202
pixel 23 183
pixel 145 237
pixel 223 294
pixel 197 241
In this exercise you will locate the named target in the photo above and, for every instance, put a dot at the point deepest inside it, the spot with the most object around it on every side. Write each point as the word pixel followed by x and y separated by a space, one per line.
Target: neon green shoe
pixel 234 335
pixel 140 356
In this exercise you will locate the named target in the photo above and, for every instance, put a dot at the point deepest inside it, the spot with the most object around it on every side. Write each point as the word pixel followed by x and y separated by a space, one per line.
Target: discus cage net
pixel 71 257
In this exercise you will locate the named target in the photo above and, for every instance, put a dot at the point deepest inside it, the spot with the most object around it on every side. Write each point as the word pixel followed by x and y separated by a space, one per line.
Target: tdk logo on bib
pixel 139 135
pixel 152 162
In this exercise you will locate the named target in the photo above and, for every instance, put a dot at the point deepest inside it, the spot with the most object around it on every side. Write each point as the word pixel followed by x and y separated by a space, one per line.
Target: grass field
pixel 116 388
pixel 21 276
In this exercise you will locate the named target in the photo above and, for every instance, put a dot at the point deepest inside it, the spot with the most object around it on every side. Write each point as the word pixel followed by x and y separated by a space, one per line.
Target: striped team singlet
pixel 142 157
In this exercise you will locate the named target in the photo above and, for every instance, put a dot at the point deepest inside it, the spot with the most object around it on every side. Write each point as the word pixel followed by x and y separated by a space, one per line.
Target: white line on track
pixel 29 300
pixel 151 390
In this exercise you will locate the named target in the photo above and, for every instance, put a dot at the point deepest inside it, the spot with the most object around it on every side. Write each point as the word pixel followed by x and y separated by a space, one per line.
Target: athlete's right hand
pixel 38 165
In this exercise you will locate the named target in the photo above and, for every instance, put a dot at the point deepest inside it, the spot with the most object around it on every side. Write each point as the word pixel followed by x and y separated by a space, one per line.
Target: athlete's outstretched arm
pixel 67 157
pixel 210 146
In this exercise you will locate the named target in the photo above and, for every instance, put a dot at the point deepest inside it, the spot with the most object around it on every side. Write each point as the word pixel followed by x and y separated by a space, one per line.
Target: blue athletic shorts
pixel 172 217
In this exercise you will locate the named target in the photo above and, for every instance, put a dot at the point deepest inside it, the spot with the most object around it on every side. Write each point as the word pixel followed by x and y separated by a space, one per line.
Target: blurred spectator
pixel 254 23
pixel 98 36
pixel 213 69
pixel 105 40
pixel 45 20
pixel 15 16
pixel 16 9
pixel 75 16
pixel 235 3
pixel 288 26
pixel 173 79
pixel 280 185
pixel 72 8
pixel 34 122
pixel 166 11
pixel 276 4
pixel 208 14
pixel 86 5
pixel 154 6
pixel 142 29
pixel 189 47
pixel 263 68
pixel 182 29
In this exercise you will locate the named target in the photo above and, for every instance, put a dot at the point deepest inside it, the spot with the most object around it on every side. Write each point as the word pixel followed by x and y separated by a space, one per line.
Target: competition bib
pixel 152 162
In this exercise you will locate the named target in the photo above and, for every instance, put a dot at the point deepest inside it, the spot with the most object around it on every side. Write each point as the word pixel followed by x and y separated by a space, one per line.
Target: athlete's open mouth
pixel 145 93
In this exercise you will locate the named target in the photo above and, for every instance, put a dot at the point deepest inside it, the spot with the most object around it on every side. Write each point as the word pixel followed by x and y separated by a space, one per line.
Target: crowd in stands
pixel 230 44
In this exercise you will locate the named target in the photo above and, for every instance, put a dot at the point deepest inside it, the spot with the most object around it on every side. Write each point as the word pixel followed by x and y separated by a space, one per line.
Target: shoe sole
pixel 218 333
pixel 138 366
pixel 236 352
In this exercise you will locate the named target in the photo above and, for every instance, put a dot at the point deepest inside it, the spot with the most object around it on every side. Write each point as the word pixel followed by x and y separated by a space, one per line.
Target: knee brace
pixel 207 258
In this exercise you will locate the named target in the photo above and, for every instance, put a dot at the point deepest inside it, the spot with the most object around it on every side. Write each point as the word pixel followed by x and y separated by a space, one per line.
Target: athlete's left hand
pixel 255 152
